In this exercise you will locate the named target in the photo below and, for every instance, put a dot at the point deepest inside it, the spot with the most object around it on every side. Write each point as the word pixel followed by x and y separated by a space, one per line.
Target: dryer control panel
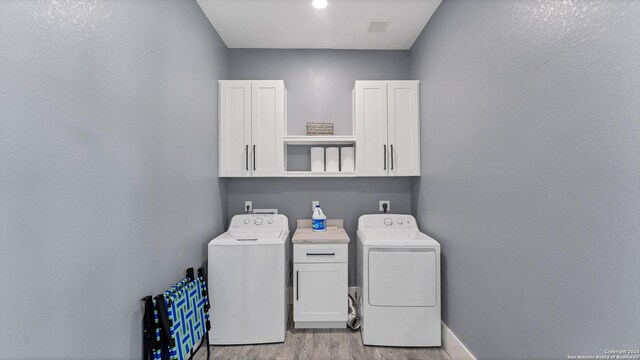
pixel 387 221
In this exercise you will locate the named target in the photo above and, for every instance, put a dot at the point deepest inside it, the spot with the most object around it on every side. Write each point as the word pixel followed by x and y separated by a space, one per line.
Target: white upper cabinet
pixel 267 121
pixel 388 128
pixel 235 128
pixel 403 128
pixel 371 128
pixel 251 121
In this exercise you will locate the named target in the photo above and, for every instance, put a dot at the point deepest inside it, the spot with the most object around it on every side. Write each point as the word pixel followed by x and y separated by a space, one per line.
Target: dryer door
pixel 403 277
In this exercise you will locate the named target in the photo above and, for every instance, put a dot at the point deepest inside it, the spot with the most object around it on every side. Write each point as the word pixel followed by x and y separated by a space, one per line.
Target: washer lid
pixel 405 238
pixel 399 277
pixel 236 236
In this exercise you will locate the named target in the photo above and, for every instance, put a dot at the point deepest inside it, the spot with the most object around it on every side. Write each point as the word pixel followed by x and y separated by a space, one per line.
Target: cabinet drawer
pixel 320 253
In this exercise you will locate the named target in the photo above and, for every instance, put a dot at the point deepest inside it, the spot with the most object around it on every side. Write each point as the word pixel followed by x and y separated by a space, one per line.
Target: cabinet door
pixel 320 292
pixel 235 128
pixel 404 128
pixel 267 119
pixel 371 128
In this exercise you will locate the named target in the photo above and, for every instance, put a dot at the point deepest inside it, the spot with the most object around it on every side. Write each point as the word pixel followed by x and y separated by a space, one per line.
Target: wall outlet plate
pixel 248 206
pixel 381 209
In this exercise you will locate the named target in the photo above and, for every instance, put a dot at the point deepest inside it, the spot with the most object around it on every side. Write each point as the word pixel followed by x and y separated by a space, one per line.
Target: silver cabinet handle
pixel 254 157
pixel 246 157
pixel 391 157
pixel 297 285
pixel 321 254
pixel 246 239
pixel 385 156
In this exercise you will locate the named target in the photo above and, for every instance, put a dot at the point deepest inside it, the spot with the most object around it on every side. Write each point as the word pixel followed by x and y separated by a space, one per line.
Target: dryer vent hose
pixel 353 319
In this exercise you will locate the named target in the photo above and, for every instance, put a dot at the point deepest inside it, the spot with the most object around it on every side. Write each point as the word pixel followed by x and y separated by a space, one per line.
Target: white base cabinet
pixel 320 287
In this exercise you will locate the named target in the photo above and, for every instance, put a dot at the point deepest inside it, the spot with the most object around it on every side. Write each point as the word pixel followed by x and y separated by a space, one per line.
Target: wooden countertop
pixel 335 233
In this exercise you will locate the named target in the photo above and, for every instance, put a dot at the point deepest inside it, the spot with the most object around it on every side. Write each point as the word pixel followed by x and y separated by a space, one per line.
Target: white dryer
pixel 399 274
pixel 247 277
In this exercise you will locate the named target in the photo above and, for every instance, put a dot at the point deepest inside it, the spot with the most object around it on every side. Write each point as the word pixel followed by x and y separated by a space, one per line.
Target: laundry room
pixel 319 179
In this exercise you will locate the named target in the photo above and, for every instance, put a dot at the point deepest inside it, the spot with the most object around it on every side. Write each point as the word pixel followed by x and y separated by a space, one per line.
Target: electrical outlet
pixel 248 206
pixel 385 202
pixel 313 205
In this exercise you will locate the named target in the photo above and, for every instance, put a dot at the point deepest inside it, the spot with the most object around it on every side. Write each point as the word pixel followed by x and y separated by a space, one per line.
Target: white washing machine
pixel 248 272
pixel 399 274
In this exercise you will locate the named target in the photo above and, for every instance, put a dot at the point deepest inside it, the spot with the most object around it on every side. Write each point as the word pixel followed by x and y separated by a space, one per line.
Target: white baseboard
pixel 454 346
pixel 320 324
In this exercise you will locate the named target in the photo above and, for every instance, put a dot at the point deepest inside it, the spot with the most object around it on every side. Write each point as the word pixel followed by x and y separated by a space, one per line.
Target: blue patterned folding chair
pixel 183 320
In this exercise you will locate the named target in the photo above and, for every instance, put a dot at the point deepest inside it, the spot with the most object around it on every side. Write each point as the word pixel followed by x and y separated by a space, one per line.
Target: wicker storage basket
pixel 314 128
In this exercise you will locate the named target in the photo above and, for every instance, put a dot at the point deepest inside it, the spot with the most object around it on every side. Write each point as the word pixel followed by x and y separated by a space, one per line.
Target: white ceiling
pixel 295 24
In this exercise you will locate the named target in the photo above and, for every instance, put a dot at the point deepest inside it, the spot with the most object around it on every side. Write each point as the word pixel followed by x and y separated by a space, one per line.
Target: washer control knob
pixel 399 221
pixel 388 222
pixel 258 221
pixel 269 221
pixel 246 221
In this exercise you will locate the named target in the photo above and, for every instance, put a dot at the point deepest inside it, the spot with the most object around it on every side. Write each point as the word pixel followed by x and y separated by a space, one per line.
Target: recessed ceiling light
pixel 319 4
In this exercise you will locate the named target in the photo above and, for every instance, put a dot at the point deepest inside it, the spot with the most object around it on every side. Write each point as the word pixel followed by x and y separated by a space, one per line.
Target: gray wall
pixel 531 175
pixel 108 168
pixel 319 84
pixel 346 199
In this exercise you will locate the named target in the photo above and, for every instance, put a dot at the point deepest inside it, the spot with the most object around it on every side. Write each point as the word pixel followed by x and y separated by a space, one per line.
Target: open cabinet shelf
pixel 320 174
pixel 319 140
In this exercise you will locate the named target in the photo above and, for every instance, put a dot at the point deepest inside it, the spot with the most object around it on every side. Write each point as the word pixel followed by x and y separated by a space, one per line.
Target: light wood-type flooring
pixel 320 344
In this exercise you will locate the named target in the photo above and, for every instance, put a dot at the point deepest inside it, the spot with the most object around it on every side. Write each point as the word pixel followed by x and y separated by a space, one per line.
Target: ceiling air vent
pixel 377 26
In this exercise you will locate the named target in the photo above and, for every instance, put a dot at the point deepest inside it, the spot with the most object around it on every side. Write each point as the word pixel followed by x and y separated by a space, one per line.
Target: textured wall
pixel 319 82
pixel 531 173
pixel 108 168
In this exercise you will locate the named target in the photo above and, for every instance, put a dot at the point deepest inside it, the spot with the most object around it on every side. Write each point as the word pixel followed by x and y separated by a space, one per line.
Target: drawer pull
pixel 246 239
pixel 321 254
pixel 297 286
